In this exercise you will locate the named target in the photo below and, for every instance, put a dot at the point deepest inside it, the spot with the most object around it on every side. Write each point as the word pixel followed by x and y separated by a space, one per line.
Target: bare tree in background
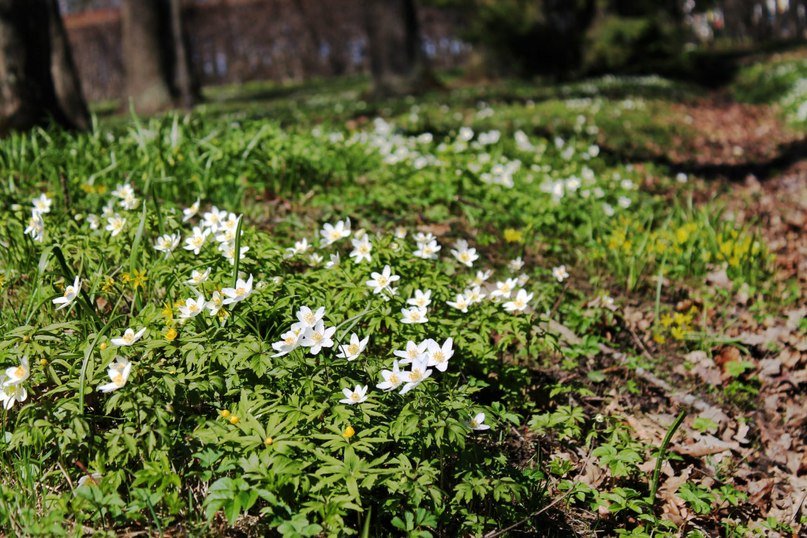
pixel 155 56
pixel 397 61
pixel 38 81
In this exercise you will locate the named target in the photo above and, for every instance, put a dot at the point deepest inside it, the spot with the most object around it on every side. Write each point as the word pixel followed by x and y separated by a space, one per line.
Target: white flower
pixel 289 342
pixel 560 273
pixel 416 375
pixel 332 233
pixel 382 281
pixel 461 303
pixel 70 294
pixel 392 378
pixel 412 352
pixel 36 227
pixel 438 355
pixel 423 238
pixel 189 212
pixel 129 202
pixel 504 289
pixel 413 315
pixel 123 190
pixel 241 291
pixel 624 202
pixel 422 299
pixel 519 303
pixel 333 261
pixel 308 318
pixel 474 295
pixel 15 375
pixel 115 224
pixel 465 255
pixel 11 394
pixel 93 221
pixel 355 396
pixel 317 338
pixel 212 219
pixel 477 422
pixel 361 249
pixel 42 204
pixel 427 251
pixel 196 240
pixel 516 265
pixel 608 209
pixel 228 251
pixel 167 243
pixel 481 277
pixel 215 303
pixel 198 277
pixel 300 247
pixel 118 373
pixel 129 337
pixel 87 479
pixel 523 278
pixel 400 232
pixel 354 349
pixel 192 307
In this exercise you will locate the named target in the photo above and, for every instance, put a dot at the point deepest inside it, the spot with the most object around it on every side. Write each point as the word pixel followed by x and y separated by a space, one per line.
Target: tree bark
pixel 187 85
pixel 397 62
pixel 146 52
pixel 38 83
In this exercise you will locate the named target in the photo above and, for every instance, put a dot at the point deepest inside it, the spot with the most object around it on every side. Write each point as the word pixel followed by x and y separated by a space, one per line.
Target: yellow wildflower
pixel 512 235
pixel 349 432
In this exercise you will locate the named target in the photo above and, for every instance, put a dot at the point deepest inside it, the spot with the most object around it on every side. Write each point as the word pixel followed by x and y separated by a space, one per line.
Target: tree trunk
pixel 146 49
pixel 37 77
pixel 187 85
pixel 397 61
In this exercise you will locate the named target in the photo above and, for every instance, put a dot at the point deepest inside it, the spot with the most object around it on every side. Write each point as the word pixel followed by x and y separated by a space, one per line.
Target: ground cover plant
pixel 476 314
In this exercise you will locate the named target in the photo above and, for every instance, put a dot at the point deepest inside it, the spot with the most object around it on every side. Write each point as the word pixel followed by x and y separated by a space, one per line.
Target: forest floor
pixel 657 233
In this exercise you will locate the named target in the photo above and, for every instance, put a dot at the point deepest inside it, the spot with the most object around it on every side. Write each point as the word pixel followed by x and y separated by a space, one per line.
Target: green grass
pixel 212 430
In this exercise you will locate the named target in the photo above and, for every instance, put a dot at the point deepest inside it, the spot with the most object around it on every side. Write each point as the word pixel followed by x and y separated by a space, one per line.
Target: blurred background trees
pixel 157 54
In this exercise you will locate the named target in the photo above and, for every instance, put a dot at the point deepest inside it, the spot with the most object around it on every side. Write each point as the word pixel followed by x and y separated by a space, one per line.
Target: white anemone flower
pixel 412 352
pixel 520 302
pixel 198 277
pixel 477 422
pixel 167 243
pixel 242 290
pixel 361 249
pixel 414 315
pixel 317 338
pixel 383 280
pixel 215 303
pixel 289 342
pixel 331 233
pixel 196 240
pixel 421 299
pixel 118 373
pixel 355 348
pixel 461 303
pixel 355 396
pixel 129 337
pixel 16 375
pixel 69 295
pixel 11 394
pixel 189 212
pixel 560 273
pixel 438 355
pixel 464 254
pixel 414 377
pixel 192 307
pixel 42 204
pixel 504 289
pixel 115 224
pixel 392 378
pixel 308 318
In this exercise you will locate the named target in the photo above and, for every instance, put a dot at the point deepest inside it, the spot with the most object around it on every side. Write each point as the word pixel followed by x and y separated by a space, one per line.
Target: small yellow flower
pixel 268 441
pixel 171 334
pixel 138 279
pixel 43 362
pixel 100 189
pixel 86 187
pixel 659 338
pixel 167 312
pixel 234 419
pixel 224 413
pixel 512 235
pixel 108 284
pixel 349 432
pixel 102 346
pixel 126 278
pixel 678 333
